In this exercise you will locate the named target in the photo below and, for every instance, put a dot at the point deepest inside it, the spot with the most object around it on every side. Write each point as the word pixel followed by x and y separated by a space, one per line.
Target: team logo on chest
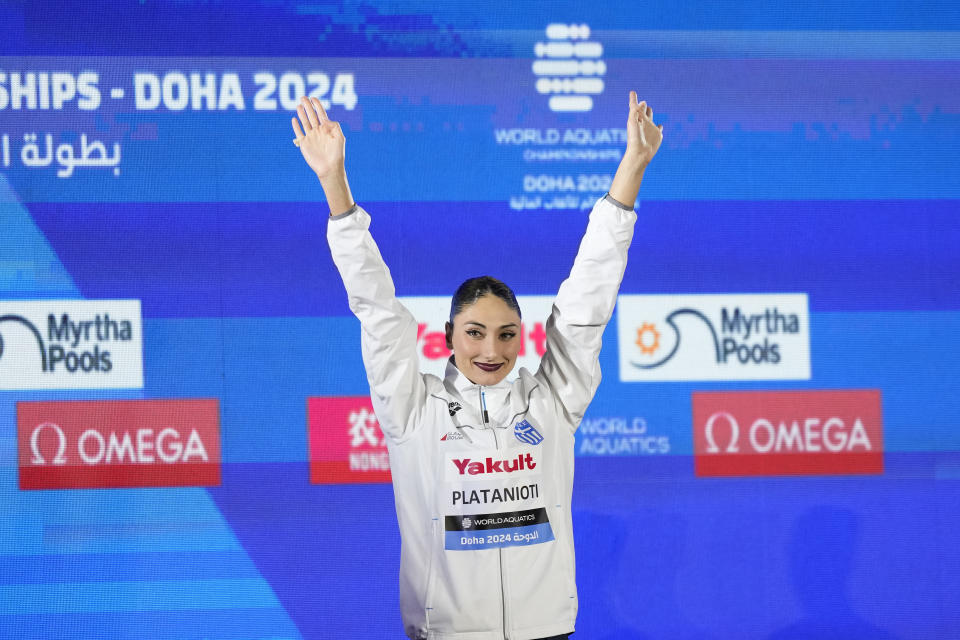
pixel 526 432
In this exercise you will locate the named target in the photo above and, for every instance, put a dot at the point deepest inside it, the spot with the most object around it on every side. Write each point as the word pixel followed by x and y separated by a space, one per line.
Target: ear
pixel 448 330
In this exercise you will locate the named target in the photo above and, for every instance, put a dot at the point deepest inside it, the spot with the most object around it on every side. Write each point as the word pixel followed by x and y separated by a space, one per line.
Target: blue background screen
pixel 807 149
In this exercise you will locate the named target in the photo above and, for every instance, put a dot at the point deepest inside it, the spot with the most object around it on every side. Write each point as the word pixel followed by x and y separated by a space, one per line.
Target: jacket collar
pixel 461 383
pixel 455 385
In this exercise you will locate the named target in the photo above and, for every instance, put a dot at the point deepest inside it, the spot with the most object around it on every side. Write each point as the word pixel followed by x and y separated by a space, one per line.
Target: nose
pixel 490 350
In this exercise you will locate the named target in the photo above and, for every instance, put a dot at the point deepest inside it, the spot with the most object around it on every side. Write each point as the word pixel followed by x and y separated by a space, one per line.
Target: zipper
pixel 431 573
pixel 483 409
pixel 503 596
pixel 485 416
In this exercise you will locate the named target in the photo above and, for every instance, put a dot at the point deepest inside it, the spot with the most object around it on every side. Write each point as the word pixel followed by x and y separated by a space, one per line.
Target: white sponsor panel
pixel 432 313
pixel 713 337
pixel 70 344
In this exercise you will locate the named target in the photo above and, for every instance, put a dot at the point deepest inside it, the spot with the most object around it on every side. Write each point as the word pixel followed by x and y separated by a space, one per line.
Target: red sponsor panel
pixel 118 443
pixel 771 433
pixel 346 444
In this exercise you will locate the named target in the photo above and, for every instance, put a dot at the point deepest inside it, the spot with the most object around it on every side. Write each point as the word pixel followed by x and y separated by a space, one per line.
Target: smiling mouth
pixel 489 368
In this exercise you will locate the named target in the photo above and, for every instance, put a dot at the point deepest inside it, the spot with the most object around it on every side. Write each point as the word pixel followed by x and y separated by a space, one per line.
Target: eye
pixel 507 335
pixel 474 333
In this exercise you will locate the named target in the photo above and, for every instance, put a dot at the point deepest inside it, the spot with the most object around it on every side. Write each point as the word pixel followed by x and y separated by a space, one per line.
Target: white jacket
pixel 484 509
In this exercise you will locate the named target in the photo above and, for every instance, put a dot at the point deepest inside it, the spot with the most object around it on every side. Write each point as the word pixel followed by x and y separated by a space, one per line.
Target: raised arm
pixel 586 298
pixel 388 336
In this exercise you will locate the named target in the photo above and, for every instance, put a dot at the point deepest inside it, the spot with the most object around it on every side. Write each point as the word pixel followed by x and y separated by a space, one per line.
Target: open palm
pixel 320 139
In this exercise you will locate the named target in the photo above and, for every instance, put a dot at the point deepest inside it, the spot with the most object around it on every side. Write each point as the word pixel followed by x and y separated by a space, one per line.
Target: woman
pixel 482 468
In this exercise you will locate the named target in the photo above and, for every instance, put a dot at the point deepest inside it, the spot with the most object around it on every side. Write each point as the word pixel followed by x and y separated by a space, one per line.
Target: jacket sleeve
pixel 583 306
pixel 388 331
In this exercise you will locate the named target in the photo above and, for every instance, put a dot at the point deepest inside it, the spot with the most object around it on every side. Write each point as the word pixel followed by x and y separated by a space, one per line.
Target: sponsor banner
pixel 619 436
pixel 119 443
pixel 760 433
pixel 713 337
pixel 346 444
pixel 70 344
pixel 433 312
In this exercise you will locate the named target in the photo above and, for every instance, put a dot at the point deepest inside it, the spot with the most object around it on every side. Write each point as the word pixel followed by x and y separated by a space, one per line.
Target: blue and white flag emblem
pixel 525 432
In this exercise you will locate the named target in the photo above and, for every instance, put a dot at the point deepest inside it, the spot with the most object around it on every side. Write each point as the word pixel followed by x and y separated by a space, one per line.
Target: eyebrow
pixel 483 326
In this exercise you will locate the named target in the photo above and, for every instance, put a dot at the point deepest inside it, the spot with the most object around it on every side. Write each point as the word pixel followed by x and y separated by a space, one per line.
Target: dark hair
pixel 475 288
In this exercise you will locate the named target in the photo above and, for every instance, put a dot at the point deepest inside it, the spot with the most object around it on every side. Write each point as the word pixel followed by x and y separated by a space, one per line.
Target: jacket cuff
pixel 349 212
pixel 609 198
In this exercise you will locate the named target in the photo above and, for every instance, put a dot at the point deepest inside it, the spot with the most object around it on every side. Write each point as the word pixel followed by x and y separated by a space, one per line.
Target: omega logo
pixel 141 447
pixel 809 434
pixel 35 444
pixel 734 433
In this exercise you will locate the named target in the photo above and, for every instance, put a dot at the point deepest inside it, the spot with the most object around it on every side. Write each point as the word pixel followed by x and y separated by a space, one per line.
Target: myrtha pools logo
pixel 713 337
pixel 70 344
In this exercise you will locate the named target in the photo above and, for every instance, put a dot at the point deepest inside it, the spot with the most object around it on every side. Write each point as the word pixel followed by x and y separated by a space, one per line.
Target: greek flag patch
pixel 525 432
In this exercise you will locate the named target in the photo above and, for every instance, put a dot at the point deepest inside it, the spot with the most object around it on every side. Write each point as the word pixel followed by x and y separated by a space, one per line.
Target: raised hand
pixel 323 146
pixel 643 141
pixel 320 140
pixel 643 136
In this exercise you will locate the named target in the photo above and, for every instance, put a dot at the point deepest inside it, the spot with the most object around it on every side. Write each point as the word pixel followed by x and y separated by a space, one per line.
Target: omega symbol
pixel 734 433
pixel 35 444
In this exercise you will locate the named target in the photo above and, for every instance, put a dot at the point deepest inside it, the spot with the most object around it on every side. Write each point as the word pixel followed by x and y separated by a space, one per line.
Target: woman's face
pixel 485 338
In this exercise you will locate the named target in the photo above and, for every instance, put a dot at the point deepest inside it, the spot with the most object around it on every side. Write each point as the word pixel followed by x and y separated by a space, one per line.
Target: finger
pixel 303 117
pixel 649 112
pixel 311 113
pixel 643 136
pixel 296 128
pixel 320 110
pixel 633 100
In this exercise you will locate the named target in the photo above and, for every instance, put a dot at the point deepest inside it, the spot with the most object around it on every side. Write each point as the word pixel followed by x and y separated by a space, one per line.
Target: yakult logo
pixel 458 467
pixel 70 344
pixel 433 312
pixel 345 441
pixel 476 467
pixel 787 433
pixel 713 337
pixel 126 443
